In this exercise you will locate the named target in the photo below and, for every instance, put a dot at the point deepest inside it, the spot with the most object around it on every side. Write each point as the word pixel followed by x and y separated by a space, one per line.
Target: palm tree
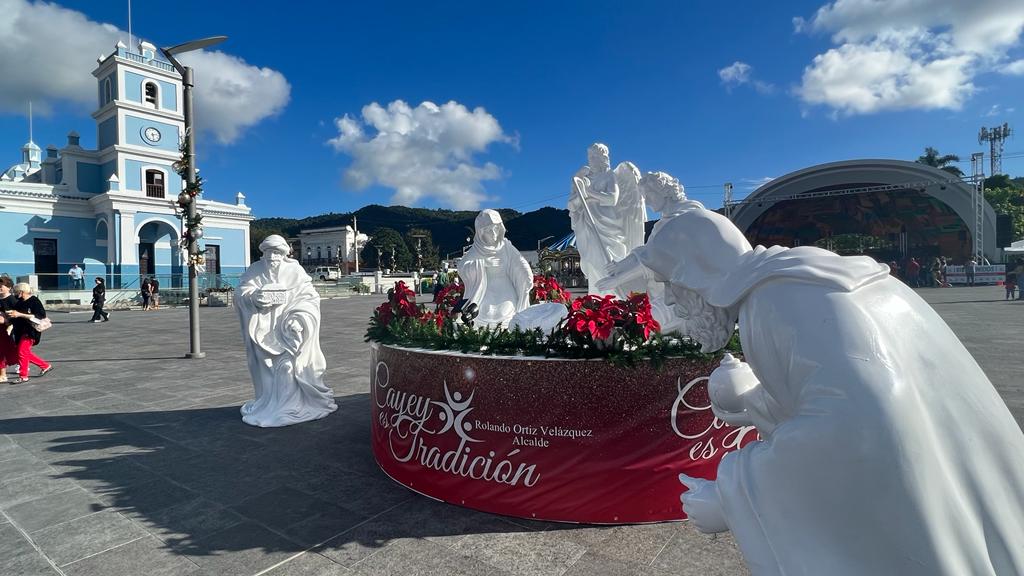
pixel 931 158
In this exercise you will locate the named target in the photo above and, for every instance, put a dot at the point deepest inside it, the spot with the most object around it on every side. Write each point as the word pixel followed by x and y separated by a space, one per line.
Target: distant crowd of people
pixel 932 273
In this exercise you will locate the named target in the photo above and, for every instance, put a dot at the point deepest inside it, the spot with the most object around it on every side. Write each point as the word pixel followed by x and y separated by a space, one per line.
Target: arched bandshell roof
pixel 855 173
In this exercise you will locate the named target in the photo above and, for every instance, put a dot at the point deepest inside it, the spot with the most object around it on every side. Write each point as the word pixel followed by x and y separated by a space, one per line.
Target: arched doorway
pixel 159 253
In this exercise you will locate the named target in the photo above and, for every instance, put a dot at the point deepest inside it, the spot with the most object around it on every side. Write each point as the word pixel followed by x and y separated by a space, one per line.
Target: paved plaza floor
pixel 128 460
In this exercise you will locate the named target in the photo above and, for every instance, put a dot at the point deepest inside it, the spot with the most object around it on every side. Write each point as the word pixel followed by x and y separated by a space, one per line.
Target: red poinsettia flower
pixel 407 308
pixel 385 314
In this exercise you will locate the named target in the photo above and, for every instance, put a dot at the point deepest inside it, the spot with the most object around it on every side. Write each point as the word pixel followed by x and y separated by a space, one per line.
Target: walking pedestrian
pixel 913 273
pixel 146 289
pixel 970 268
pixel 27 312
pixel 77 276
pixel 154 293
pixel 8 352
pixel 1020 274
pixel 99 298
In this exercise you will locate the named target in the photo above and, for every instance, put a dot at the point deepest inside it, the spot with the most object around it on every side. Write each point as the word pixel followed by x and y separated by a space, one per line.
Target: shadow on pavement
pixel 206 484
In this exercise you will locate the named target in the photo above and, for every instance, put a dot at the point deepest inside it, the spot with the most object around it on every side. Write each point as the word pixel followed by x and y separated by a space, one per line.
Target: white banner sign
pixel 994 274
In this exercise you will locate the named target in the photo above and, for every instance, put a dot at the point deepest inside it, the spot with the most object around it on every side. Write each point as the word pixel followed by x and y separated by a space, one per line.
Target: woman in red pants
pixel 25 333
pixel 8 353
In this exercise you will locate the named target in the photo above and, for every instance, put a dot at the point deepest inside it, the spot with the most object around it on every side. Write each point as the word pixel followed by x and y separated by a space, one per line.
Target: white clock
pixel 151 134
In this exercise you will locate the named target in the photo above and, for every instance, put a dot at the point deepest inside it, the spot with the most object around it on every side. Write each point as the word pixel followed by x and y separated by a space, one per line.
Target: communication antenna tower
pixel 995 137
pixel 727 201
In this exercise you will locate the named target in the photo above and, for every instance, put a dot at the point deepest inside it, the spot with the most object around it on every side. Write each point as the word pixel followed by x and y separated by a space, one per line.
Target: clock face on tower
pixel 151 134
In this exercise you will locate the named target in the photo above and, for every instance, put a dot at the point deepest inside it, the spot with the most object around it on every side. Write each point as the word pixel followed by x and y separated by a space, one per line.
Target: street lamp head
pixel 188 47
pixel 194 45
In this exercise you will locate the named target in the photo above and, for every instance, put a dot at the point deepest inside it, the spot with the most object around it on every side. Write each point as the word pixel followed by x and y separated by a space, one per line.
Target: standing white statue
pixel 280 314
pixel 607 214
pixel 663 194
pixel 885 449
pixel 497 277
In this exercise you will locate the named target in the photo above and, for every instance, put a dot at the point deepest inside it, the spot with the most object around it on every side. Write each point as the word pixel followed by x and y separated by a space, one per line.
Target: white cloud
pixel 48 53
pixel 755 183
pixel 739 73
pixel 997 110
pixel 1015 68
pixel 735 74
pixel 426 152
pixel 232 95
pixel 906 54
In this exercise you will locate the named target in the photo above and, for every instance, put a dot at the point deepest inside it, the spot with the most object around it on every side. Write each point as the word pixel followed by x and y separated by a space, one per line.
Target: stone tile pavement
pixel 128 460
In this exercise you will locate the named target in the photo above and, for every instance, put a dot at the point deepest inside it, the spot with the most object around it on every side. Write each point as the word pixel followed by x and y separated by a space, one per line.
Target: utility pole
pixel 727 202
pixel 419 249
pixel 355 240
pixel 978 197
pixel 995 137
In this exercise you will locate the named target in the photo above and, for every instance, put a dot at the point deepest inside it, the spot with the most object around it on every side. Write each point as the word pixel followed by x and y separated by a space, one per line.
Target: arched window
pixel 152 94
pixel 154 184
pixel 108 91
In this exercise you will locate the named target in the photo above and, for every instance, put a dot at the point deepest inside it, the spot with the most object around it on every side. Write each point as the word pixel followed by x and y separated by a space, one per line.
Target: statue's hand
pixel 703 505
pixel 614 267
pixel 607 285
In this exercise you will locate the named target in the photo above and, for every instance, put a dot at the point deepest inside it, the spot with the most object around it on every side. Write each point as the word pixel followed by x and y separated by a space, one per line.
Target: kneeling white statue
pixel 280 314
pixel 885 448
pixel 497 277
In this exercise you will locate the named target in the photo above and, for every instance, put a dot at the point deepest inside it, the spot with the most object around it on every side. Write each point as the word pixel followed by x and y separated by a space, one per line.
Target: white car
pixel 325 273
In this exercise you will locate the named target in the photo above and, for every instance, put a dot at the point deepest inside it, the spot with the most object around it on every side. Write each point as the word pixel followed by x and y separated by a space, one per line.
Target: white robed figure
pixel 280 314
pixel 665 195
pixel 885 449
pixel 497 277
pixel 607 214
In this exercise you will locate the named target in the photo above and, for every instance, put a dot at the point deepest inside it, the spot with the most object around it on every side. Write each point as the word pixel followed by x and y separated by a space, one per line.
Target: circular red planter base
pixel 548 439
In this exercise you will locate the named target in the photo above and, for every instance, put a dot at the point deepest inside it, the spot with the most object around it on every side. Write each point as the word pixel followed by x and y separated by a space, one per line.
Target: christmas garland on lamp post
pixel 192 220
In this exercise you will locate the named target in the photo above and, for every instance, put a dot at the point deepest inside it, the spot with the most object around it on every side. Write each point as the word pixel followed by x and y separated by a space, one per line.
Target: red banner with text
pixel 550 439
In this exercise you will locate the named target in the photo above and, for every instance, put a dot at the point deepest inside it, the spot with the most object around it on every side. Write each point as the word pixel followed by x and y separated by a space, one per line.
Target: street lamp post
pixel 188 201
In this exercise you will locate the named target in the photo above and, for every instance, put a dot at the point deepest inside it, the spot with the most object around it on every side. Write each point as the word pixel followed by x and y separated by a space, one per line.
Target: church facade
pixel 112 210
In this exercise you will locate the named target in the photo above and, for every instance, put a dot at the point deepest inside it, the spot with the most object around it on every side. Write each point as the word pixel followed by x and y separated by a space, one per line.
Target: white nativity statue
pixel 496 276
pixel 280 314
pixel 607 214
pixel 884 447
pixel 665 195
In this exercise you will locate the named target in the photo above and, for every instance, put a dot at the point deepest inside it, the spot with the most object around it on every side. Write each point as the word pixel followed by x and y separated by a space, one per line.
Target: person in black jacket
pixel 8 352
pixel 99 297
pixel 27 309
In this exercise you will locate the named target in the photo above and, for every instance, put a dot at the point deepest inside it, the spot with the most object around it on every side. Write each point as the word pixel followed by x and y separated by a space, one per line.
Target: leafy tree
pixel 259 233
pixel 1004 181
pixel 1008 200
pixel 424 240
pixel 931 158
pixel 387 249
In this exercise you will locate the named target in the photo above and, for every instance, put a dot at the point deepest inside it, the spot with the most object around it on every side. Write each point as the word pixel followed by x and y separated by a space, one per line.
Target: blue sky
pixel 531 85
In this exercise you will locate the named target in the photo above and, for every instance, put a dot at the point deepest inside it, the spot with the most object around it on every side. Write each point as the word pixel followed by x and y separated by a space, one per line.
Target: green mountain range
pixel 449 228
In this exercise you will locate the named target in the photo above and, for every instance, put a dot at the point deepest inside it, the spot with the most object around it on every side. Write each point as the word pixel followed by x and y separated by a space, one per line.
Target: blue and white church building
pixel 112 210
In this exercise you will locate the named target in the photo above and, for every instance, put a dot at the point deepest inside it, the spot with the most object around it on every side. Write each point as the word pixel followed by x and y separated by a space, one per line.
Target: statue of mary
pixel 497 277
pixel 280 314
